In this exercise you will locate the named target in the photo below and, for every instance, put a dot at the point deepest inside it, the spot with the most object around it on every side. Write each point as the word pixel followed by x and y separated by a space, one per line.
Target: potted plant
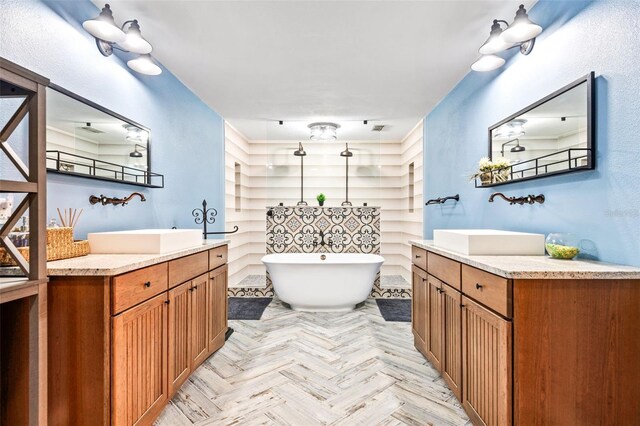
pixel 492 171
pixel 321 199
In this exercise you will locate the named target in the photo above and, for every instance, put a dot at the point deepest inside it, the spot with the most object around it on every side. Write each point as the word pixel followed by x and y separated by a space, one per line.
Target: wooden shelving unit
pixel 23 299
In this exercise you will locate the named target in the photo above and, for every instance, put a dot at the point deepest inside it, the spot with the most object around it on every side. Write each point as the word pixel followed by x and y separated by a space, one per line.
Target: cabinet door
pixel 434 338
pixel 419 308
pixel 198 331
pixel 139 362
pixel 452 339
pixel 217 305
pixel 178 336
pixel 486 365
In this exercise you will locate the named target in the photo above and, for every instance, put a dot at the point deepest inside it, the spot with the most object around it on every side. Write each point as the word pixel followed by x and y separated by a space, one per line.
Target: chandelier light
pixel 324 131
pixel 126 38
pixel 521 33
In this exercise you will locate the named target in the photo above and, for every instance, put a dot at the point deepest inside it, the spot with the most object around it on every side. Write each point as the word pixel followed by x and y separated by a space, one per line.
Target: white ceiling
pixel 256 62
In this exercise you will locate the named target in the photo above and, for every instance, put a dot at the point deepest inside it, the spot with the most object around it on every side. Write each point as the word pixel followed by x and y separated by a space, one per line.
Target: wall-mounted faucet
pixel 319 240
pixel 529 199
pixel 104 200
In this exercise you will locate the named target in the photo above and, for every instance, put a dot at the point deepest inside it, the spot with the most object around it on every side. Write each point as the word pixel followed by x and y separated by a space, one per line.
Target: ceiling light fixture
pixel 521 33
pixel 135 134
pixel 109 37
pixel 512 129
pixel 324 131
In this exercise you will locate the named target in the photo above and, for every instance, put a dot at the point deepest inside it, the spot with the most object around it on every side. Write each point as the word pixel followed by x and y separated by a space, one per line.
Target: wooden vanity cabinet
pixel 179 327
pixel 525 351
pixel 486 367
pixel 435 323
pixel 451 361
pixel 217 287
pixel 121 346
pixel 139 362
pixel 199 322
pixel 419 320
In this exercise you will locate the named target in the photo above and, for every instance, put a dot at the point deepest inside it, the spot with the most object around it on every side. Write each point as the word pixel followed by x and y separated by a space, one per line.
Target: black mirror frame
pixel 159 182
pixel 591 126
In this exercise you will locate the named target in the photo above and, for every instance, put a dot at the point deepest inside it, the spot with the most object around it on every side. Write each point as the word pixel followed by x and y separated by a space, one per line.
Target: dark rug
pixel 395 309
pixel 247 308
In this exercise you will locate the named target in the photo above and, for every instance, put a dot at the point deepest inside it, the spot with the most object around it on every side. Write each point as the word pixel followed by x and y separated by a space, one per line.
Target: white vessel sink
pixel 489 242
pixel 144 241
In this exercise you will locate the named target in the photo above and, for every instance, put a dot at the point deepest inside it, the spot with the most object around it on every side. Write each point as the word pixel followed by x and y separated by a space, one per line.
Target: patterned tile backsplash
pixel 303 229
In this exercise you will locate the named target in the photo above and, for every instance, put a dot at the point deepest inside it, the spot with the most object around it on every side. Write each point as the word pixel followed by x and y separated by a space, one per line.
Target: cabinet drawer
pixel 218 257
pixel 187 268
pixel 491 290
pixel 444 269
pixel 129 289
pixel 419 257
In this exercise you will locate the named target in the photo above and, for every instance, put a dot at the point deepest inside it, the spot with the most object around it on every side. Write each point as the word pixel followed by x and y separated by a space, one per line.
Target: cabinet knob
pixel 195 287
pixel 417 256
pixel 478 286
pixel 220 256
pixel 461 305
pixel 166 302
pixel 147 284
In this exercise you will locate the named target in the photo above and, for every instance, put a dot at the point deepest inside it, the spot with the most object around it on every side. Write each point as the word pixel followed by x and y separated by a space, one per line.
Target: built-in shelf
pixel 78 165
pixel 571 160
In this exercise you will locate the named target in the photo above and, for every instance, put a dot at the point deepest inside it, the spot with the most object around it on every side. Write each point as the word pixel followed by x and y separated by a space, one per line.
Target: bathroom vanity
pixel 529 339
pixel 125 331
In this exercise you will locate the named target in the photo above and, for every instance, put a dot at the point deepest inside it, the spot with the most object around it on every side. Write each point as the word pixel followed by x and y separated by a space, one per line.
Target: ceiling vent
pixel 378 127
pixel 88 128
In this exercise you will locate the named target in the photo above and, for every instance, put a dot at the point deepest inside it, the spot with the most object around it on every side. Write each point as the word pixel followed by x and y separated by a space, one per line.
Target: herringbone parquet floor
pixel 293 368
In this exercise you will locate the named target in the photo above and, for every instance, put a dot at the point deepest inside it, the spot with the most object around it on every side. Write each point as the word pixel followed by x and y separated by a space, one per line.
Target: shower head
pixel 346 152
pixel 518 148
pixel 300 152
pixel 135 153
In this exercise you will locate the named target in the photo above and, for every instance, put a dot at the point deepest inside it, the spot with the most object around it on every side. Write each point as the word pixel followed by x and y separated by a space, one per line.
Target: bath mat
pixel 247 308
pixel 395 309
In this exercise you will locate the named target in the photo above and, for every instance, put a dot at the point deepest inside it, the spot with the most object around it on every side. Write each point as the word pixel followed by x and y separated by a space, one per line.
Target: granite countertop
pixel 116 264
pixel 537 267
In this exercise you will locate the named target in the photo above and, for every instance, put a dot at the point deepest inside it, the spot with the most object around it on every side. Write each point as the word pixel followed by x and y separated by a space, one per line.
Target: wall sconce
pixel 109 37
pixel 521 33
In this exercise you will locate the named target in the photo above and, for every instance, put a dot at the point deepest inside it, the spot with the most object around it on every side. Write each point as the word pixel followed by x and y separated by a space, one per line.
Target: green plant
pixel 321 198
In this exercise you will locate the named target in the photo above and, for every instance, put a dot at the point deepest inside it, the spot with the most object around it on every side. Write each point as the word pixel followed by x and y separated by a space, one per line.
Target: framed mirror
pixel 85 139
pixel 555 135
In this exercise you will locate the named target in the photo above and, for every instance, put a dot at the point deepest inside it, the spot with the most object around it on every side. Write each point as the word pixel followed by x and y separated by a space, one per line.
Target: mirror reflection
pixel 87 140
pixel 550 137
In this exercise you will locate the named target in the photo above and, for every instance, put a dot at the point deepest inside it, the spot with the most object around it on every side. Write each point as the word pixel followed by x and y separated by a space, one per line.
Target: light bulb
pixel 488 63
pixel 144 65
pixel 104 27
pixel 134 42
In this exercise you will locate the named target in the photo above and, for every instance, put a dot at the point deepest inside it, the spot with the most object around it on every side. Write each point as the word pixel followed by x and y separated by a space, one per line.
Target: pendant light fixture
pixel 521 33
pixel 126 38
pixel 324 131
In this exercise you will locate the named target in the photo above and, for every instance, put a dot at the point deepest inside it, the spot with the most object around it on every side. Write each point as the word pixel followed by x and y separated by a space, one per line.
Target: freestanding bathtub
pixel 323 282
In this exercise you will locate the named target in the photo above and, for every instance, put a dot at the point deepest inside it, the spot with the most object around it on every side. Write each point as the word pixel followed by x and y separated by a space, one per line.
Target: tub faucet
pixel 319 240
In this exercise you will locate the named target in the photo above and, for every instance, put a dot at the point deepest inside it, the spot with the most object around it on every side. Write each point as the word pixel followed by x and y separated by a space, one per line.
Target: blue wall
pixel 601 206
pixel 187 137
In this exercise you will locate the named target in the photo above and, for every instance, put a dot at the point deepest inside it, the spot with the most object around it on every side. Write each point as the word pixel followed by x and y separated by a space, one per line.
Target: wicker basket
pixel 60 245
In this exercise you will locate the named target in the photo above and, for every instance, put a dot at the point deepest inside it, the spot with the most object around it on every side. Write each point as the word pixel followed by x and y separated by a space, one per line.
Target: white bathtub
pixel 335 283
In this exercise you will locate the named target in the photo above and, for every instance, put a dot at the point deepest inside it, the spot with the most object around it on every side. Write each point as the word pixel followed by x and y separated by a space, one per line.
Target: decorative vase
pixel 562 245
pixel 321 203
pixel 485 178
